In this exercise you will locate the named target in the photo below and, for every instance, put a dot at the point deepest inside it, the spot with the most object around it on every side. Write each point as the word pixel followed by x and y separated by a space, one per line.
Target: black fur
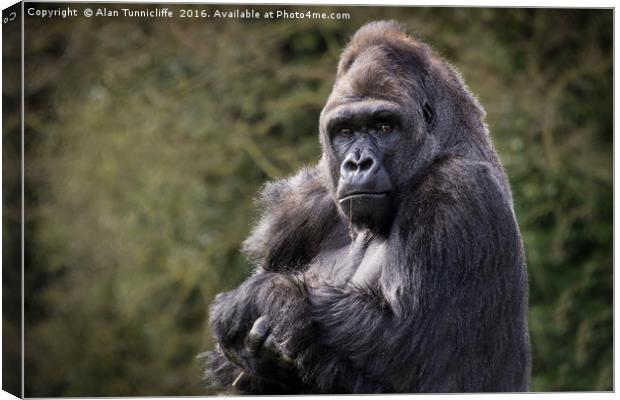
pixel 433 300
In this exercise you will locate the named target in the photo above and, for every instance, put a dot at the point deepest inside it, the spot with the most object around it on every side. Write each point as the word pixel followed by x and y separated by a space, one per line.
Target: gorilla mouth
pixel 359 195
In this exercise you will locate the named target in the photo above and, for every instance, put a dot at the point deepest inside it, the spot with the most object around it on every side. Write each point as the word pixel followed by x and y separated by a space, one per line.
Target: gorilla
pixel 395 265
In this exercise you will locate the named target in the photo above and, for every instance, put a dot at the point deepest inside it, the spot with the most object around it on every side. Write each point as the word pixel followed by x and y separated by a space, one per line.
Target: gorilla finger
pixel 257 335
pixel 286 359
pixel 271 347
pixel 232 357
pixel 275 351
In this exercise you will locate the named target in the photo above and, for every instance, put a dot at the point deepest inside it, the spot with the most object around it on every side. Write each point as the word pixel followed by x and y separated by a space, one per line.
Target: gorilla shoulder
pixel 296 213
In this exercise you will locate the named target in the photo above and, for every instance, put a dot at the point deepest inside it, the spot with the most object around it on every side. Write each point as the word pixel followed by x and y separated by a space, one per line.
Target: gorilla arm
pixel 296 212
pixel 472 274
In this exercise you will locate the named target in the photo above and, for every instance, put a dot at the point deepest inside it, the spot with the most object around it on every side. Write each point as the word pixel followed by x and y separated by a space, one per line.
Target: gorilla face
pixel 369 136
pixel 363 135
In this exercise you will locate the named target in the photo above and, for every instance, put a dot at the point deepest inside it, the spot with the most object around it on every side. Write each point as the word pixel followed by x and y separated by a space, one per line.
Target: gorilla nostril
pixel 350 166
pixel 366 164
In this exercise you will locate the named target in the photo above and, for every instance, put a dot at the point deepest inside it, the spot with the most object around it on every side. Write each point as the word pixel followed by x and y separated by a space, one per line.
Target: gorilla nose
pixel 362 173
pixel 359 164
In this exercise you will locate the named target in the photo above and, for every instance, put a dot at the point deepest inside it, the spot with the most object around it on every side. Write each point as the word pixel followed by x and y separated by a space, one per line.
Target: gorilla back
pixel 395 264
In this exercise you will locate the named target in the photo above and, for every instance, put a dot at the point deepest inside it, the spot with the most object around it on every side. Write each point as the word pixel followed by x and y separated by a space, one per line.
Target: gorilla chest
pixel 357 263
pixel 369 267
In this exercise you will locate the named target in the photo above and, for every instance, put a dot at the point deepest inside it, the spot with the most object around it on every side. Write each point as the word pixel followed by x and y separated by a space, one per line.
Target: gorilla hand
pixel 265 353
pixel 242 321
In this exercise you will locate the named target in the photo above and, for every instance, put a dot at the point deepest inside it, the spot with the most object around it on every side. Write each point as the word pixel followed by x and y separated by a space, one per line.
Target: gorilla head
pixel 377 108
pixel 382 124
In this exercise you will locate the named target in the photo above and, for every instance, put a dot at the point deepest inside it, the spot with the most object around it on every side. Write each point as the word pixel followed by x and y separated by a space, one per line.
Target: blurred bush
pixel 146 140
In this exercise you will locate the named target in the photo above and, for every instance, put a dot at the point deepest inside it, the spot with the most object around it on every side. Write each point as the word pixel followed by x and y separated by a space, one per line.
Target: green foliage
pixel 147 140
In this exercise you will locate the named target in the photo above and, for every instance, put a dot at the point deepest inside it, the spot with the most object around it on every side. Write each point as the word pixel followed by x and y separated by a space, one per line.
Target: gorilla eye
pixel 385 128
pixel 345 131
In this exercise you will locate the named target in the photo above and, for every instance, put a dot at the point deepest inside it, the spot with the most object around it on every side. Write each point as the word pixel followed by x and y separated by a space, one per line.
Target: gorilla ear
pixel 429 115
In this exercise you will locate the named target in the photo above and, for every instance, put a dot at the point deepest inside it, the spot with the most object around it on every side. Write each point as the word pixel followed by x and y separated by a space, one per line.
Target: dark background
pixel 146 140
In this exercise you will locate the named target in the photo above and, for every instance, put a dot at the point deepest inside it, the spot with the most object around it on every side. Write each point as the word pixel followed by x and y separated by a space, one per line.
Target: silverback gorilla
pixel 395 264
